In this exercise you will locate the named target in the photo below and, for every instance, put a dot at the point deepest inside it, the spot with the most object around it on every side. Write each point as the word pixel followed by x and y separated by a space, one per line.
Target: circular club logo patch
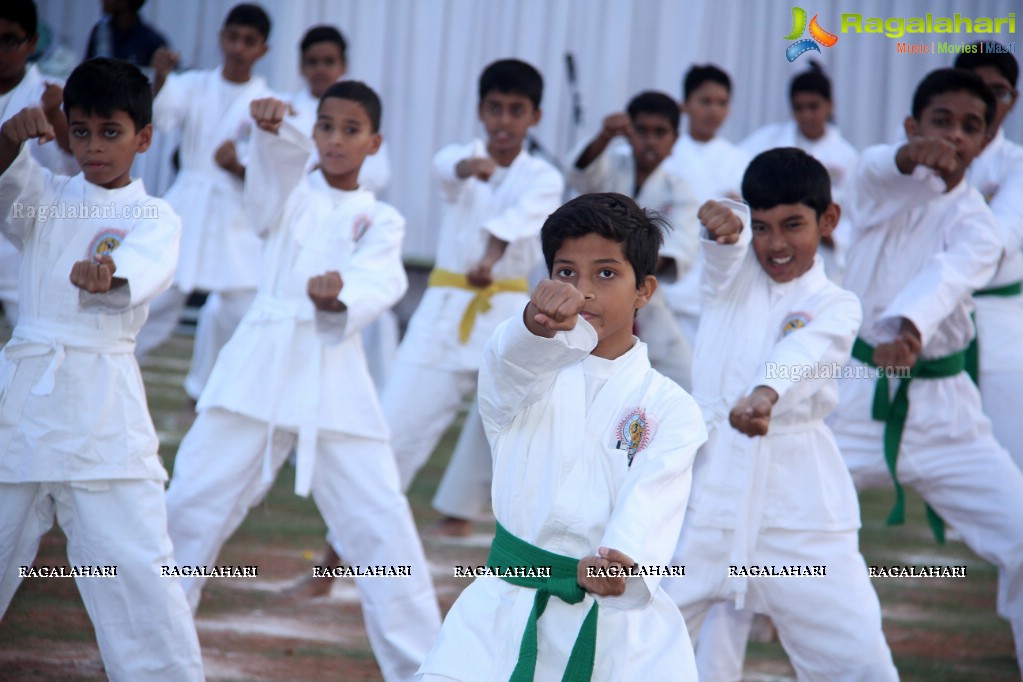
pixel 794 321
pixel 632 433
pixel 105 242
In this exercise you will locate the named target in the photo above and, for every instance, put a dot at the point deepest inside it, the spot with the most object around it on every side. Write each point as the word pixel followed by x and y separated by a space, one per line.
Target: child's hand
pixel 226 156
pixel 481 275
pixel 52 98
pixel 269 113
pixel 28 124
pixel 617 124
pixel 610 560
pixel 164 61
pixel 323 291
pixel 722 224
pixel 752 414
pixel 95 276
pixel 481 167
pixel 903 352
pixel 553 307
pixel 932 152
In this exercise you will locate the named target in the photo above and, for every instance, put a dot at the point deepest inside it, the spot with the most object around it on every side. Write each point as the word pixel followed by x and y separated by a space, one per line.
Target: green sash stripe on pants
pixel 893 413
pixel 972 352
pixel 509 551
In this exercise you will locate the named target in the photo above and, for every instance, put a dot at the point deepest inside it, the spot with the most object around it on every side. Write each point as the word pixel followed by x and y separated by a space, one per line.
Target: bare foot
pixel 310 587
pixel 451 527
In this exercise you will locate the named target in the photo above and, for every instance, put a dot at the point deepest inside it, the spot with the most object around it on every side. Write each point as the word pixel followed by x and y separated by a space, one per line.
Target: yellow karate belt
pixel 972 351
pixel 893 413
pixel 481 301
pixel 508 550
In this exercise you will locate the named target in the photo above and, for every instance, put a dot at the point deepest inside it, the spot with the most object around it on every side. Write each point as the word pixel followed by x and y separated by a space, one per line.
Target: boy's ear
pixel 829 219
pixel 645 291
pixel 144 138
pixel 537 115
pixel 910 125
pixel 377 140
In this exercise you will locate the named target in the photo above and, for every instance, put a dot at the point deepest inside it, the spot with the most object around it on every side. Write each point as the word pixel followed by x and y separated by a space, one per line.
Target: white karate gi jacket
pixel 838 156
pixel 917 252
pixel 376 169
pixel 73 406
pixel 513 211
pixel 219 251
pixel 288 364
pixel 562 483
pixel 28 93
pixel 793 337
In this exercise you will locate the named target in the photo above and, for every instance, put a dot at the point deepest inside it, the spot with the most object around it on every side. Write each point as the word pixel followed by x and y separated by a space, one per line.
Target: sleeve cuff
pixel 330 327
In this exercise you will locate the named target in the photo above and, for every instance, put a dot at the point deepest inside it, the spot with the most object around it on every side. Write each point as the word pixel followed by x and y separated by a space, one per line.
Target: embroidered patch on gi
pixel 633 433
pixel 360 226
pixel 105 242
pixel 795 321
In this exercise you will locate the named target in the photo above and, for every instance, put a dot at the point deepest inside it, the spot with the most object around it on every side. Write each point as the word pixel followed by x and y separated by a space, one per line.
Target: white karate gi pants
pixel 999 334
pixel 218 477
pixel 829 625
pixel 949 456
pixel 464 491
pixel 218 319
pixel 143 625
pixel 164 312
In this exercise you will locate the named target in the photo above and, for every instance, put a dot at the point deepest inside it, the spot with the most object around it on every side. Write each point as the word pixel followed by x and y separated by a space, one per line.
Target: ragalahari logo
pixel 818 34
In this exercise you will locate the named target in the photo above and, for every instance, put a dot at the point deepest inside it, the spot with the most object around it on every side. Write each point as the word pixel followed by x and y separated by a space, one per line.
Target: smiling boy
pixel 592 453
pixel 76 439
pixel 770 486
pixel 923 241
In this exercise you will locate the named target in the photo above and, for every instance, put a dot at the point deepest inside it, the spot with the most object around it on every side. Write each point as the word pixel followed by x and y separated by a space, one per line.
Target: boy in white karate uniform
pixel 76 440
pixel 332 263
pixel 22 85
pixel 998 175
pixel 592 453
pixel 770 487
pixel 495 196
pixel 650 124
pixel 923 242
pixel 711 166
pixel 220 251
pixel 812 131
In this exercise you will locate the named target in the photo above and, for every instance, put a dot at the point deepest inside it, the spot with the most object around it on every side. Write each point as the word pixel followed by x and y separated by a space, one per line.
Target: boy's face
pixel 242 47
pixel 706 109
pixel 1005 94
pixel 652 141
pixel 344 138
pixel 322 66
pixel 15 48
pixel 958 117
pixel 811 111
pixel 598 268
pixel 105 146
pixel 785 238
pixel 507 117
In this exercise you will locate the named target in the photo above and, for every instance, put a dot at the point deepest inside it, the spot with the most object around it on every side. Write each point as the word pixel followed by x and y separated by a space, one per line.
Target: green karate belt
pixel 508 550
pixel 893 413
pixel 972 354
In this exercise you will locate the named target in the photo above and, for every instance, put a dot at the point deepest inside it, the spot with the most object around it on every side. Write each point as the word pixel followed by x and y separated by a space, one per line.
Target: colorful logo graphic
pixel 633 433
pixel 818 35
pixel 105 242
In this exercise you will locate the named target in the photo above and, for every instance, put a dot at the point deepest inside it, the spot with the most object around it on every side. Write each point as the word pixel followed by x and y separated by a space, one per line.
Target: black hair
pixel 657 103
pixel 1003 61
pixel 512 76
pixel 250 15
pixel 612 216
pixel 698 74
pixel 101 86
pixel 812 80
pixel 21 12
pixel 361 94
pixel 324 34
pixel 940 81
pixel 786 175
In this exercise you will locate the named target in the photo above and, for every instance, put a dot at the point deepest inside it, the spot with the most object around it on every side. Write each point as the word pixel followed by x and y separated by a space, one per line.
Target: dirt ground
pixel 939 629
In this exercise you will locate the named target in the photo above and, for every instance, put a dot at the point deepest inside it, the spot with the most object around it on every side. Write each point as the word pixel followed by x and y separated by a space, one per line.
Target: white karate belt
pixel 269 309
pixel 36 338
pixel 747 530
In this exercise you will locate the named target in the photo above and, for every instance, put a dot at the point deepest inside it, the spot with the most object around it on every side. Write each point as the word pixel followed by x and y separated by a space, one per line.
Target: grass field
pixel 940 629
